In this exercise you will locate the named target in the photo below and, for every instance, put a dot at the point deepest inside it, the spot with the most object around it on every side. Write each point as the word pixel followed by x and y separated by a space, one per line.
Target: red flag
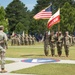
pixel 44 14
pixel 54 19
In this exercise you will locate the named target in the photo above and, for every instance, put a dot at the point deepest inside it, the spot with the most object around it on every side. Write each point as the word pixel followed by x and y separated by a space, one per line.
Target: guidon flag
pixel 54 19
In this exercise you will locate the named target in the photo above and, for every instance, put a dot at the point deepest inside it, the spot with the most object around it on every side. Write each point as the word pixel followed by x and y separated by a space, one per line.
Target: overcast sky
pixel 29 3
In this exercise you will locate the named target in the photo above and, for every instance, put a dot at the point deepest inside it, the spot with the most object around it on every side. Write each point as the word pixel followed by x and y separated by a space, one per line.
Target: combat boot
pixel 3 70
pixel 66 55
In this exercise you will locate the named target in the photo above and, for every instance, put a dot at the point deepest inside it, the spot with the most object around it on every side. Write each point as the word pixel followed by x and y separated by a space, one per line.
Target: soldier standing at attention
pixel 30 40
pixel 59 39
pixel 3 46
pixel 52 43
pixel 33 40
pixel 26 39
pixel 67 41
pixel 13 39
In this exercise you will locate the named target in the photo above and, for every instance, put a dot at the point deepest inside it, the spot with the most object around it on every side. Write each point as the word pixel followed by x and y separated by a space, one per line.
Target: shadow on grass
pixel 40 55
pixel 32 55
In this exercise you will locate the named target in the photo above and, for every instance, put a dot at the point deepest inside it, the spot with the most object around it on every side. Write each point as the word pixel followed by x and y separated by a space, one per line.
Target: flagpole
pixel 58 29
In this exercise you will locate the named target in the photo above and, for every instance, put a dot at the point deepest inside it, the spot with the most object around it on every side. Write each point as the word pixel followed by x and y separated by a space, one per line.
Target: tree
pixel 59 3
pixel 40 26
pixel 19 27
pixel 41 4
pixel 3 20
pixel 67 18
pixel 17 13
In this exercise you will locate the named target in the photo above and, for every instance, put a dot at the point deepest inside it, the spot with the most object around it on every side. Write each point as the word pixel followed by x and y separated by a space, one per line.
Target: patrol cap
pixel 60 32
pixel 1 27
pixel 66 32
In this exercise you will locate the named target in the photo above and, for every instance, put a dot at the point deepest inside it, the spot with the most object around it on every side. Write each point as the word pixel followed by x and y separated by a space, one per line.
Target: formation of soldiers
pixel 17 39
pixel 58 40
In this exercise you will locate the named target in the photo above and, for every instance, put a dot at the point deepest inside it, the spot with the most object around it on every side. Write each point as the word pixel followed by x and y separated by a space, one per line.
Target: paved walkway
pixel 17 65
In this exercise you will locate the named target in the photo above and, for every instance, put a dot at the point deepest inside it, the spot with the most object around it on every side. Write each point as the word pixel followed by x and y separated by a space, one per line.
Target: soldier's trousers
pixel 66 47
pixel 33 42
pixel 13 42
pixel 2 55
pixel 30 42
pixel 52 49
pixel 59 49
pixel 46 48
pixel 26 42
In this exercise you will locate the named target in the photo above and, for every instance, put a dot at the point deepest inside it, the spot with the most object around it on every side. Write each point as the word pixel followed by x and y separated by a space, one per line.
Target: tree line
pixel 16 16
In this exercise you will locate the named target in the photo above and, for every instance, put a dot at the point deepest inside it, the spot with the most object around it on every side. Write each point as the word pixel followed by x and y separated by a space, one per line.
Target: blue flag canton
pixel 49 9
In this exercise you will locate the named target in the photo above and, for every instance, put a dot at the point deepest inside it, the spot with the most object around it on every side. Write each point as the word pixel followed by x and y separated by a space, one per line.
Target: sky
pixel 28 3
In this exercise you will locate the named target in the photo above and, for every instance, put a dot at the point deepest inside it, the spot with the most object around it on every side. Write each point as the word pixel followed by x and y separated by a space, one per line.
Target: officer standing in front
pixel 67 42
pixel 33 40
pixel 3 46
pixel 46 43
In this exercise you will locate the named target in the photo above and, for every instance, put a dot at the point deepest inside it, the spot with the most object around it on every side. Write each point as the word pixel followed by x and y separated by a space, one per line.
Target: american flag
pixel 44 14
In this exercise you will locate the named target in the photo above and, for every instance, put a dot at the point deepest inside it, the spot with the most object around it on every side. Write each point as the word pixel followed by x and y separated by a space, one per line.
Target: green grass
pixel 37 51
pixel 24 51
pixel 7 62
pixel 49 69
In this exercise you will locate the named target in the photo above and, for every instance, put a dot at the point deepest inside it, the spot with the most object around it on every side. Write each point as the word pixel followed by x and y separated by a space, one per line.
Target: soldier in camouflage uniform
pixel 67 43
pixel 26 39
pixel 52 43
pixel 30 40
pixel 3 46
pixel 46 43
pixel 59 42
pixel 18 39
pixel 22 40
pixel 13 39
pixel 33 40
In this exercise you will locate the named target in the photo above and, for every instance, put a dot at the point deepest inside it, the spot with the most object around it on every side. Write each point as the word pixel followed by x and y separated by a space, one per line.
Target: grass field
pixel 37 51
pixel 7 62
pixel 49 69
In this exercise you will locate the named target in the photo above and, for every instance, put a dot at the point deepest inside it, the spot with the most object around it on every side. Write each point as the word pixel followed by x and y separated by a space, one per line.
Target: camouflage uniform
pixel 46 43
pixel 26 39
pixel 59 39
pixel 22 40
pixel 18 39
pixel 52 43
pixel 13 40
pixel 33 40
pixel 30 40
pixel 67 41
pixel 3 46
